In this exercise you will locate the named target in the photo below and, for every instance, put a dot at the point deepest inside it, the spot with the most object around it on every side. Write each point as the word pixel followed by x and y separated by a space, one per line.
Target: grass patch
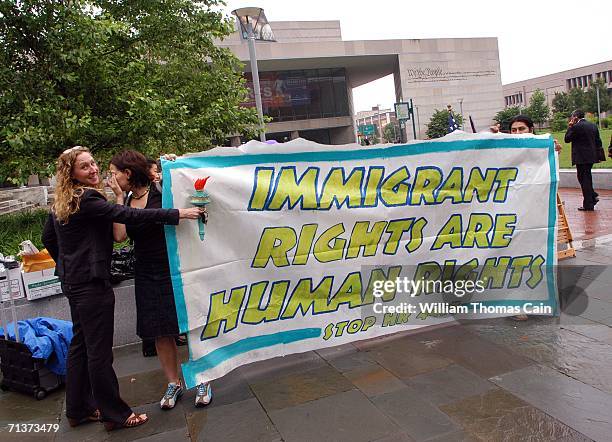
pixel 565 158
pixel 20 226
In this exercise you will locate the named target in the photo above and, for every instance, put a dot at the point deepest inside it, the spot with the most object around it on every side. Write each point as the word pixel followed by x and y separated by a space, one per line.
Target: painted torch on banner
pixel 201 198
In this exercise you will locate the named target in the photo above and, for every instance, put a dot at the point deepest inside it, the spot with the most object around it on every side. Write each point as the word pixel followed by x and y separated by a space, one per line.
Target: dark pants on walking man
pixel 585 178
pixel 91 382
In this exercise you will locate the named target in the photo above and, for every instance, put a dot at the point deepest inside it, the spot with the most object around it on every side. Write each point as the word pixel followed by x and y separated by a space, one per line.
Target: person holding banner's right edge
pixel 518 125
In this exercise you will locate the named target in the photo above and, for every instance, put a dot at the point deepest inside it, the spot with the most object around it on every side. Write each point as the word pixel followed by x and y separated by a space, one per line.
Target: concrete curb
pixel 602 179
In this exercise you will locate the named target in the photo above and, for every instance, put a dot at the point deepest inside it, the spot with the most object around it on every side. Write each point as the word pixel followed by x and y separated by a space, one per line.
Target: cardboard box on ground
pixel 41 283
pixel 11 284
pixel 36 277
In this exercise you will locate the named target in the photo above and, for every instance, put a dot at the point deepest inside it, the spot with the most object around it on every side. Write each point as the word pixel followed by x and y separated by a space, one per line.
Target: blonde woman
pixel 79 237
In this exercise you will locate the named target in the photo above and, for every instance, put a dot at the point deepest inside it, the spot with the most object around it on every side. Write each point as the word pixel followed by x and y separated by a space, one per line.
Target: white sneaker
pixel 204 394
pixel 172 395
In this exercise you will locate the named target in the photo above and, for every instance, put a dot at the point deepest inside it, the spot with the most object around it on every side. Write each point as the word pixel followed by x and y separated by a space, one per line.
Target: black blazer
pixel 586 142
pixel 82 248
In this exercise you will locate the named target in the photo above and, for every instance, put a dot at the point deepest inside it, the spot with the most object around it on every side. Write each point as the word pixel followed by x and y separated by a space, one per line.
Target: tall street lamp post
pixel 254 26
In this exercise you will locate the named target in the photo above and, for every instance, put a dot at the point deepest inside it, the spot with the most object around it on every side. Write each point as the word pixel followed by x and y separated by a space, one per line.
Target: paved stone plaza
pixel 546 379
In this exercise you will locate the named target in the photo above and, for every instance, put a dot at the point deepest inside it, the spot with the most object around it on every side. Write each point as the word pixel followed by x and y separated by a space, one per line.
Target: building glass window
pixel 301 94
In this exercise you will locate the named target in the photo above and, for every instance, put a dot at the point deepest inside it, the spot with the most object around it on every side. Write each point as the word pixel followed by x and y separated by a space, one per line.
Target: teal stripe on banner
pixel 173 255
pixel 359 154
pixel 222 354
pixel 552 218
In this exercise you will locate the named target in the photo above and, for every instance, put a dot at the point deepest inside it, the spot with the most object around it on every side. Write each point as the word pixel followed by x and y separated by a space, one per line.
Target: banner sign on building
pixel 310 246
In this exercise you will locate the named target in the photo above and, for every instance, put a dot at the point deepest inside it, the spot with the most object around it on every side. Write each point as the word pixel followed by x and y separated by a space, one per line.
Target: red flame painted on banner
pixel 200 183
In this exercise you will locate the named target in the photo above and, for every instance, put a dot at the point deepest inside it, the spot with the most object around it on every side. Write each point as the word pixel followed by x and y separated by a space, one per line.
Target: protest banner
pixel 310 246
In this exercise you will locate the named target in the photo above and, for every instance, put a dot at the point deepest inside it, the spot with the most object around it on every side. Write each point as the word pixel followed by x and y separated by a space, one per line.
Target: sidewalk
pixel 546 379
pixel 588 225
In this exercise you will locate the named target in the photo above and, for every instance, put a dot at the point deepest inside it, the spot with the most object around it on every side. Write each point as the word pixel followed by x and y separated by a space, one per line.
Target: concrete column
pixel 294 134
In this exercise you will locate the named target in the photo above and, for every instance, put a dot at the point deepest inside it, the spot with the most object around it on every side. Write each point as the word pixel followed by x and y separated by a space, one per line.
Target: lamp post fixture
pixel 254 26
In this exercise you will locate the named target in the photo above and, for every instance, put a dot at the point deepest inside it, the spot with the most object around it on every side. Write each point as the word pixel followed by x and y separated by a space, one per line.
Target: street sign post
pixel 367 129
pixel 405 111
pixel 402 111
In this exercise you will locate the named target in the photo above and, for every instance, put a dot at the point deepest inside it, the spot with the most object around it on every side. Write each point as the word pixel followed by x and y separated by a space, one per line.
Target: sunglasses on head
pixel 73 149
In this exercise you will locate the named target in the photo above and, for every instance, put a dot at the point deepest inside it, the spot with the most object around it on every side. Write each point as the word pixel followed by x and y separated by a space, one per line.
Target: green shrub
pixel 558 122
pixel 17 227
pixel 438 125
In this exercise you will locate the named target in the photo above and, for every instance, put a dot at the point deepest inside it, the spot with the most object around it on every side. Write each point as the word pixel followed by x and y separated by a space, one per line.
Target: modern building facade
pixel 308 74
pixel 518 93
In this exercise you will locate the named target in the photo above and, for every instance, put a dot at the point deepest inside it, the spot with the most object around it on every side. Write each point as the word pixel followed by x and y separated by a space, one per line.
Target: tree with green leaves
pixel 590 97
pixel 438 124
pixel 559 122
pixel 562 104
pixel 504 116
pixel 391 132
pixel 577 98
pixel 538 110
pixel 114 74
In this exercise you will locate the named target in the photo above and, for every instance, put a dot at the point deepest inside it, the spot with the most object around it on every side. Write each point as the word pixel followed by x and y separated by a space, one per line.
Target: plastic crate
pixel 24 373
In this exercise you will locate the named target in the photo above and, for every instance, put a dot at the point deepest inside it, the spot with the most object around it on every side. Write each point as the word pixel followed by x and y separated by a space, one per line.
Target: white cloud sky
pixel 536 37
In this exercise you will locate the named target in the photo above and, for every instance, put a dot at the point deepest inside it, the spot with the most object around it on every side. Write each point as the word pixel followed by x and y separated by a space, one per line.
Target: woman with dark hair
pixel 154 170
pixel 79 237
pixel 155 308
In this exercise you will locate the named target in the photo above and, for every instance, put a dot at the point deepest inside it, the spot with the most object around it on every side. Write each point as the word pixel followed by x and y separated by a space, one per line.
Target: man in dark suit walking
pixel 586 144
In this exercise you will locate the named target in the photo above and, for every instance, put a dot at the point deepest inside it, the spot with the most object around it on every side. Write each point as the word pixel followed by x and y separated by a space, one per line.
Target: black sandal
pixel 133 421
pixel 95 417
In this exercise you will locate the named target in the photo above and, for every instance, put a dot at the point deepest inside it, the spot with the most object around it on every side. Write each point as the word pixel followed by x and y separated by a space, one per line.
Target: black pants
pixel 585 178
pixel 91 382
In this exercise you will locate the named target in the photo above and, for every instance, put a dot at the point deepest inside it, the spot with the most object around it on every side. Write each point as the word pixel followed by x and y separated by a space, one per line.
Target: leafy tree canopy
pixel 562 104
pixel 590 97
pixel 114 74
pixel 391 132
pixel 538 110
pixel 503 117
pixel 438 124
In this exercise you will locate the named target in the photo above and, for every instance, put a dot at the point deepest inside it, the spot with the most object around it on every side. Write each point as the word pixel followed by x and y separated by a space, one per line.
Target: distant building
pixel 518 93
pixel 308 74
pixel 378 117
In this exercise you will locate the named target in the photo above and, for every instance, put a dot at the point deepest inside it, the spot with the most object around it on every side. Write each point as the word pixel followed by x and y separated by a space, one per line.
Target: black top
pixel 586 142
pixel 82 247
pixel 149 239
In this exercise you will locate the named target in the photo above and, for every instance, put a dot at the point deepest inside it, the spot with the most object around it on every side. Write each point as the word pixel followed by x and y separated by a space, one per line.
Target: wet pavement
pixel 587 225
pixel 545 379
